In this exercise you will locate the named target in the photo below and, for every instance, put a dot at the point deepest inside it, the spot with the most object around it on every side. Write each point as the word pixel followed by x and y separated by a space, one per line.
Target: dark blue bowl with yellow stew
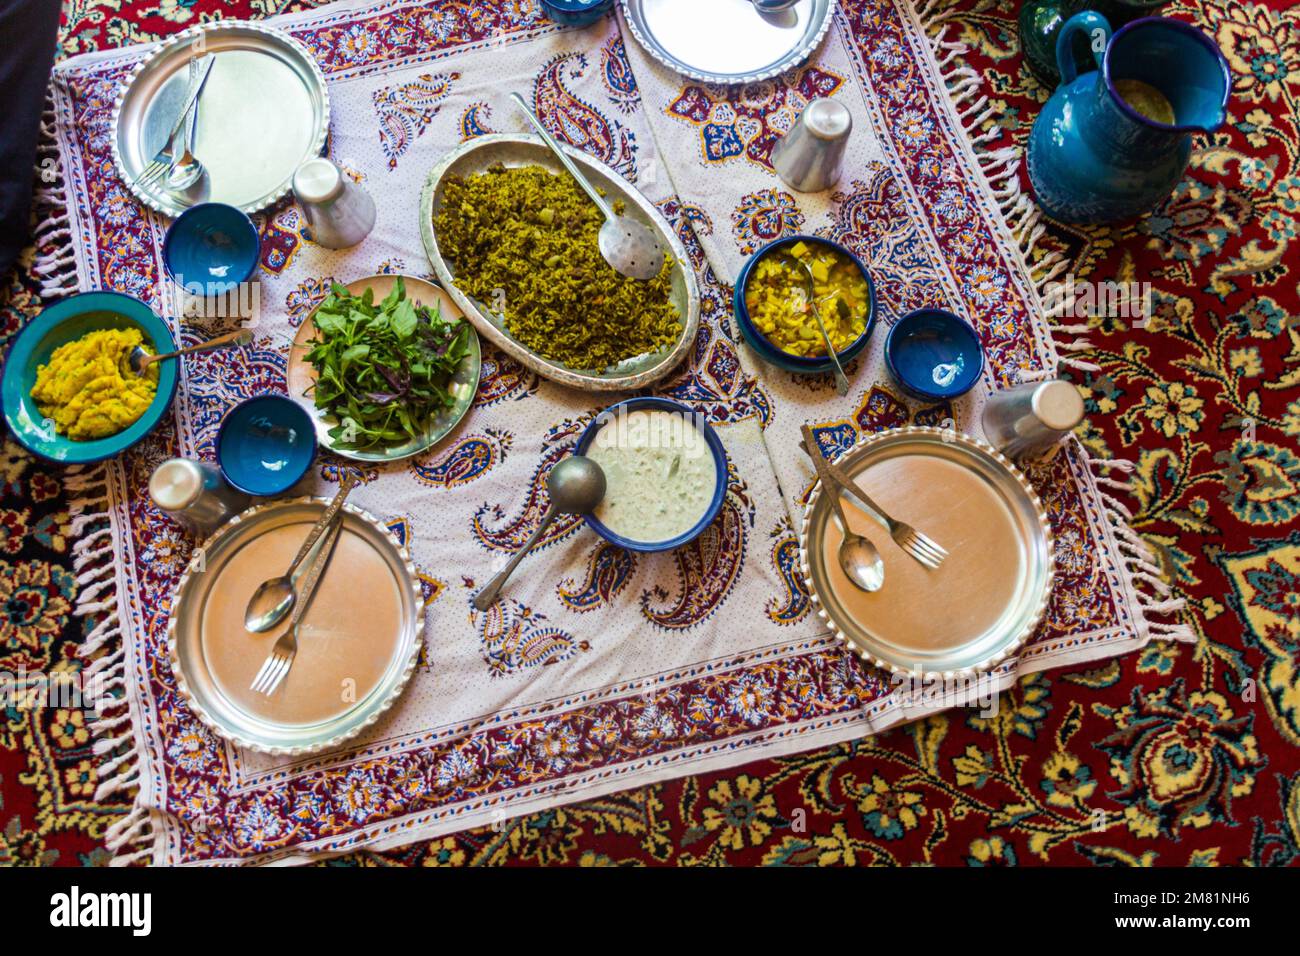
pixel 761 299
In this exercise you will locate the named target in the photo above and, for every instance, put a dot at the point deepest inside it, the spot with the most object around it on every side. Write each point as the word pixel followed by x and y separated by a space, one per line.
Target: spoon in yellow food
pixel 138 360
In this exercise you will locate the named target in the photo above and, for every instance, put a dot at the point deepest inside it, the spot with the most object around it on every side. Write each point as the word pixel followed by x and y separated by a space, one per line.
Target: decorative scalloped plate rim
pixel 399 684
pixel 790 61
pixel 184 37
pixel 1049 583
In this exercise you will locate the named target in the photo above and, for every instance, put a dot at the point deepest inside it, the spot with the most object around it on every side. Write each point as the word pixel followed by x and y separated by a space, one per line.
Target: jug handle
pixel 1090 22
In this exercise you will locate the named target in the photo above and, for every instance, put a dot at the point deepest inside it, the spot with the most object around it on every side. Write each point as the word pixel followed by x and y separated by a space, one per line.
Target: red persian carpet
pixel 1182 754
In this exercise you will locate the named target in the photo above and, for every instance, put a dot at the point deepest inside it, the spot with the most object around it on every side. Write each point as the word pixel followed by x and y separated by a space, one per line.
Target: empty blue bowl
pixel 934 355
pixel 576 13
pixel 768 350
pixel 266 444
pixel 211 248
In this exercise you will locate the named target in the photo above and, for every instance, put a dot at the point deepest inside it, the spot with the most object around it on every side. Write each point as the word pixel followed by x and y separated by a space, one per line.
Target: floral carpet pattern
pixel 1177 755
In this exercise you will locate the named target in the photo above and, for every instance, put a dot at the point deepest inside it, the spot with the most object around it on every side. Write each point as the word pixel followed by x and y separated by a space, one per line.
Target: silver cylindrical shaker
pixel 1027 421
pixel 195 495
pixel 810 156
pixel 339 211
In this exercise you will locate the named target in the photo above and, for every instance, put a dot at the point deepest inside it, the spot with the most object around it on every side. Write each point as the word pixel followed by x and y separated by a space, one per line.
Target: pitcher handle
pixel 1090 22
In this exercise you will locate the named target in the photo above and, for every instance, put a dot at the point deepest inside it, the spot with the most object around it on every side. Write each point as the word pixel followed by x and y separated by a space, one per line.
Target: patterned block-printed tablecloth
pixel 601 669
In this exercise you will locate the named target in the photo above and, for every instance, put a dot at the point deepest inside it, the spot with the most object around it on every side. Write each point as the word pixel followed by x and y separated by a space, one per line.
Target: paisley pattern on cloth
pixel 405 111
pixel 576 121
pixel 746 121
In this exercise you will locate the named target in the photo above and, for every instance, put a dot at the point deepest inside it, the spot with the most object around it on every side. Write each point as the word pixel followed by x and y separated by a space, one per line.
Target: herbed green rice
pixel 523 241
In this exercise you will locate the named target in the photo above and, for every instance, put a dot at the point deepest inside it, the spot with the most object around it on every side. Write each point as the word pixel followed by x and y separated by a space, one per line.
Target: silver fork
pixel 162 160
pixel 919 546
pixel 276 666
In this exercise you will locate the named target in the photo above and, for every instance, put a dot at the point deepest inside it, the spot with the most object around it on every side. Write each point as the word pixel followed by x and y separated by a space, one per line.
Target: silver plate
pixel 263 111
pixel 299 374
pixel 200 688
pixel 519 149
pixel 727 41
pixel 989 594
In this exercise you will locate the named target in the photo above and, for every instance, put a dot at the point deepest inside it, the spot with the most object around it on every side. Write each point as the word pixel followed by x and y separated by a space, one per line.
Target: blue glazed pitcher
pixel 1112 143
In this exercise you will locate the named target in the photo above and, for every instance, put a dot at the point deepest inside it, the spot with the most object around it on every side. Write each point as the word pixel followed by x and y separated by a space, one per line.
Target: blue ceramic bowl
pixel 770 352
pixel 576 13
pixel 934 355
pixel 212 246
pixel 63 322
pixel 266 444
pixel 719 464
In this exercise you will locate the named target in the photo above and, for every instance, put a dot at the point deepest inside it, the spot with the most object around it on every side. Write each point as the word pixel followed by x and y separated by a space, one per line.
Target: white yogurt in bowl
pixel 661 475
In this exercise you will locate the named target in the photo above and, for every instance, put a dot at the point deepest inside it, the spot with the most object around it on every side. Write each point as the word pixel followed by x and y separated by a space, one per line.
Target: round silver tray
pixel 727 41
pixel 199 687
pixel 520 149
pixel 971 613
pixel 263 110
pixel 300 375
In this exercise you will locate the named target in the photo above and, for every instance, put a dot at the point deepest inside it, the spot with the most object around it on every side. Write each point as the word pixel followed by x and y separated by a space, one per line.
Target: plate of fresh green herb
pixel 387 365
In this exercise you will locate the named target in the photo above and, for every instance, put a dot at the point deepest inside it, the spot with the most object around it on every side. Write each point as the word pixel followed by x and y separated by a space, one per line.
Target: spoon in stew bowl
pixel 629 247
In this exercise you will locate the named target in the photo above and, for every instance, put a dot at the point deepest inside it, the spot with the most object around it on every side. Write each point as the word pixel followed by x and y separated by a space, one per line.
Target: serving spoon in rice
pixel 629 247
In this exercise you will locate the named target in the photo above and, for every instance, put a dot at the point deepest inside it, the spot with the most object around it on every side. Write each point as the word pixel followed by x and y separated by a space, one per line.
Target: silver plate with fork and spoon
pixel 358 639
pixel 962 612
pixel 262 110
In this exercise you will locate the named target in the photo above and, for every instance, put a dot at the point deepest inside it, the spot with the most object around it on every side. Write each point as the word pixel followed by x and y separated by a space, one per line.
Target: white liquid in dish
pixel 659 475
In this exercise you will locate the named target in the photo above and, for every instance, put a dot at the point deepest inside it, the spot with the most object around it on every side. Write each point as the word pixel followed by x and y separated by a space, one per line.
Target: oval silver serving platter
pixel 300 375
pixel 521 149
pixel 201 688
pixel 263 110
pixel 727 41
pixel 990 593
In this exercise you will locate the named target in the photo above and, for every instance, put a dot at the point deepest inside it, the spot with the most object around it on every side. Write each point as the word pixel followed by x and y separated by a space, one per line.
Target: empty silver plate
pixel 727 41
pixel 263 110
pixel 989 594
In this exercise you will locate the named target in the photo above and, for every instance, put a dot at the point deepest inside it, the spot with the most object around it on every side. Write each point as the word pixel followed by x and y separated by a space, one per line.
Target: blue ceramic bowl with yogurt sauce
pixel 714 444
pixel 934 355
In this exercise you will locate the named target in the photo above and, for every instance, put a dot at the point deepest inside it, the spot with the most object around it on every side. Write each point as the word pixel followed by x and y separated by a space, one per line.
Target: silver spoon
pixel 576 486
pixel 186 170
pixel 138 359
pixel 858 557
pixel 630 248
pixel 801 267
pixel 275 597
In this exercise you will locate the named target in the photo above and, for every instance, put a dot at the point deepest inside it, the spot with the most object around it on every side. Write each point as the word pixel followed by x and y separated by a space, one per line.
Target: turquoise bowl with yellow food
pixel 858 292
pixel 70 320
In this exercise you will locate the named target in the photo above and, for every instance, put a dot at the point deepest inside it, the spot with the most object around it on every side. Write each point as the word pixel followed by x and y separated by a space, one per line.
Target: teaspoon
pixel 858 557
pixel 275 597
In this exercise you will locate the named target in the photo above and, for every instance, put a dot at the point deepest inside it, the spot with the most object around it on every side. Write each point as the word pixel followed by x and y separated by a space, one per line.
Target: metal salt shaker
pixel 1027 421
pixel 195 495
pixel 809 157
pixel 339 211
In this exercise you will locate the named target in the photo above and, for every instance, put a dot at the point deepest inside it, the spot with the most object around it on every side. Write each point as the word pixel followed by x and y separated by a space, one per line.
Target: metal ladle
pixel 802 269
pixel 629 247
pixel 859 559
pixel 576 486
pixel 138 359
